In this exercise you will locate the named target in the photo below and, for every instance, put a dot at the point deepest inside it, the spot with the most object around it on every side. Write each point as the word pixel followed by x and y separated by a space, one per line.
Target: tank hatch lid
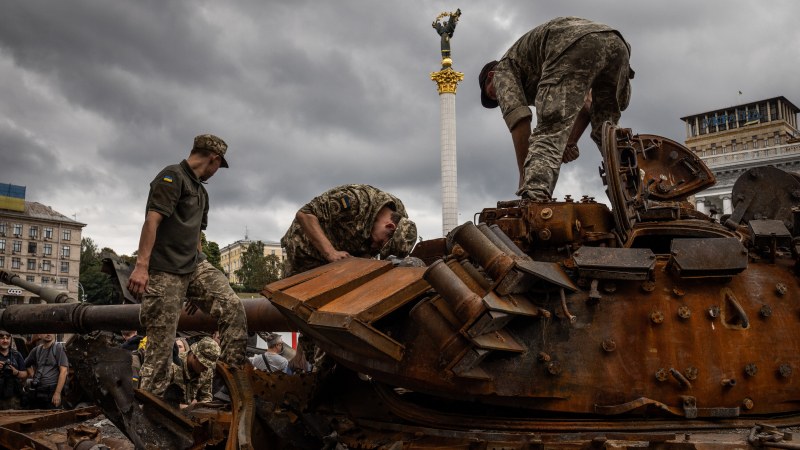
pixel 609 263
pixel 707 257
pixel 644 168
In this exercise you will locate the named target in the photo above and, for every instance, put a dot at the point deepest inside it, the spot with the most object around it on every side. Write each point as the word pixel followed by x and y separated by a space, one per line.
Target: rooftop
pixel 35 210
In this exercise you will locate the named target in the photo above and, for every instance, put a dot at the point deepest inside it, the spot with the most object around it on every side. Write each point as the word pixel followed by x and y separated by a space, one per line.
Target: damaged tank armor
pixel 565 324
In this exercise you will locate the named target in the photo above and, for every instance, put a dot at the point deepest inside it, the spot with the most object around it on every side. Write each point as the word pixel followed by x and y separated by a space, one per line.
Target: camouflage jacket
pixel 531 62
pixel 194 388
pixel 346 214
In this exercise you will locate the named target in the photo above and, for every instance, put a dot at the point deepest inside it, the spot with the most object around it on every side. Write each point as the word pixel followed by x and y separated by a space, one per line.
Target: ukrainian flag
pixel 12 197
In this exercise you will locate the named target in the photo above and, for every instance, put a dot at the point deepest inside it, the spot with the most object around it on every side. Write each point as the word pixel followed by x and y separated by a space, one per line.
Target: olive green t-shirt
pixel 177 194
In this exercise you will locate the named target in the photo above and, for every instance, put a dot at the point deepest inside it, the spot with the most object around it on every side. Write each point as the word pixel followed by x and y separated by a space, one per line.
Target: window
pixel 63 282
pixel 30 279
pixel 48 249
pixel 15 263
pixel 48 232
pixel 2 245
pixel 45 280
pixel 33 232
pixel 32 248
pixel 46 265
pixel 766 142
pixel 17 229
pixel 31 264
pixel 64 267
pixel 2 261
pixel 18 246
pixel 65 251
pixel 66 235
pixel 2 228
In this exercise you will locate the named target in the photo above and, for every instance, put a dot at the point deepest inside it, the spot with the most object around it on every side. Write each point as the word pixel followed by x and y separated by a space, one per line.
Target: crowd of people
pixel 35 380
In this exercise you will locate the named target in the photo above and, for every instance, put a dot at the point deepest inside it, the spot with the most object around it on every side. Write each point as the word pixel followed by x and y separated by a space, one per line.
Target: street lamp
pixel 81 297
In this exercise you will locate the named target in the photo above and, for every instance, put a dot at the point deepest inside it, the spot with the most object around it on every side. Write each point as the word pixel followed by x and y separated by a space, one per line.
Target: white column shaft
pixel 447 122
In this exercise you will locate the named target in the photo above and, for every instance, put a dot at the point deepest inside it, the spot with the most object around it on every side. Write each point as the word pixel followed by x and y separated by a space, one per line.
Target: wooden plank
pixel 342 276
pixel 381 295
pixel 296 279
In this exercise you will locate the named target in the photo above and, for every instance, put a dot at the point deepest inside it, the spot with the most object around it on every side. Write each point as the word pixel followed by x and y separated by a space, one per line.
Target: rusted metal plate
pixel 614 263
pixel 715 257
pixel 546 271
pixel 769 232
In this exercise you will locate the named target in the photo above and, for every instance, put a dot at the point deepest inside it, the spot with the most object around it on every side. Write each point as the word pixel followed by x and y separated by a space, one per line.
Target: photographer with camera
pixel 47 367
pixel 12 373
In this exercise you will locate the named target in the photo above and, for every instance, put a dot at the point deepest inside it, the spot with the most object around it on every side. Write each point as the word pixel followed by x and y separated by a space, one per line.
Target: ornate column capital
pixel 447 80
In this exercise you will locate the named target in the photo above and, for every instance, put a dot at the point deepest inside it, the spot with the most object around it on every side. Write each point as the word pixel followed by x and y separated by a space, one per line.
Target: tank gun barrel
pixel 49 295
pixel 85 317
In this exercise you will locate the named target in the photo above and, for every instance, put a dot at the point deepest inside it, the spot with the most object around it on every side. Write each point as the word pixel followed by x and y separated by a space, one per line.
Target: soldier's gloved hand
pixel 571 153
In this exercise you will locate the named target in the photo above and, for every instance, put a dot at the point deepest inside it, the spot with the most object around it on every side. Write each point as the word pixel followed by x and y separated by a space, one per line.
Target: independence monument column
pixel 446 81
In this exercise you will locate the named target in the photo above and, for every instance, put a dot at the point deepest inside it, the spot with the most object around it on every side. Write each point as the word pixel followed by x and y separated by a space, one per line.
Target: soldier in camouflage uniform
pixel 350 220
pixel 574 71
pixel 192 379
pixel 170 265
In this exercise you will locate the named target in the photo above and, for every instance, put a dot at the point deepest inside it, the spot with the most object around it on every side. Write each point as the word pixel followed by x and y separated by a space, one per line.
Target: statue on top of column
pixel 446 30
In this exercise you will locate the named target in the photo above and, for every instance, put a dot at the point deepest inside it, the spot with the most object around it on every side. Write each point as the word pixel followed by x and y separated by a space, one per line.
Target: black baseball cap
pixel 485 100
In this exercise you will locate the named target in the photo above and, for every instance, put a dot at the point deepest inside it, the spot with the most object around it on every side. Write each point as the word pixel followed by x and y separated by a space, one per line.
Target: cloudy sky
pixel 98 96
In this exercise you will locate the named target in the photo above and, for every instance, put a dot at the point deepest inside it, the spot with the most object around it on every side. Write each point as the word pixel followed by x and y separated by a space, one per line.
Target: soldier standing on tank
pixel 171 266
pixel 555 67
pixel 350 220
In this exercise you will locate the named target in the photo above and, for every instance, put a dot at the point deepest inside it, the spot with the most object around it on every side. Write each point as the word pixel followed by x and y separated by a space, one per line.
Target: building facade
pixel 231 256
pixel 42 246
pixel 735 139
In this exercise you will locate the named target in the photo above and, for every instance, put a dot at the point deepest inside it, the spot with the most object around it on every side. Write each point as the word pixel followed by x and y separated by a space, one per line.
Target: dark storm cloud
pixel 98 96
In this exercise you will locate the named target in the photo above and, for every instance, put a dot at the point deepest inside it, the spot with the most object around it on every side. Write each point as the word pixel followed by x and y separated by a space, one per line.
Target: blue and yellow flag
pixel 12 197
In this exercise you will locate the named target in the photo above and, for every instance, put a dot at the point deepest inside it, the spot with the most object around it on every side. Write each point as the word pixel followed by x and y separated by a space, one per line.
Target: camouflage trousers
pixel 597 61
pixel 162 302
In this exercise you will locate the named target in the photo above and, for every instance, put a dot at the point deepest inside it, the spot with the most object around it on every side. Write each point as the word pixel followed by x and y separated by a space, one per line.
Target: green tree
pixel 258 269
pixel 96 285
pixel 211 249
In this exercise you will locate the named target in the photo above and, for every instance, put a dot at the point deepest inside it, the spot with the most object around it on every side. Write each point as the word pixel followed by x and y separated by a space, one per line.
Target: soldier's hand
pixel 571 153
pixel 336 255
pixel 137 282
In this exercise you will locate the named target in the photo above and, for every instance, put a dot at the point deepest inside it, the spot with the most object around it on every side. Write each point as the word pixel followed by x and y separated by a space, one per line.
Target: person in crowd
pixel 299 363
pixel 131 339
pixel 191 380
pixel 171 266
pixel 183 345
pixel 12 373
pixel 554 67
pixel 47 367
pixel 271 360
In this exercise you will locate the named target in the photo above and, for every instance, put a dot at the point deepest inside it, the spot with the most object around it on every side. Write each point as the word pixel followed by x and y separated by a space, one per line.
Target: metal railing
pixel 776 153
